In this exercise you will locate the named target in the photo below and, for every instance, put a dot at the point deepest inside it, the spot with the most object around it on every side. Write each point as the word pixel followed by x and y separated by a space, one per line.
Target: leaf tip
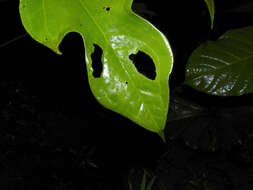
pixel 162 135
pixel 54 48
pixel 57 51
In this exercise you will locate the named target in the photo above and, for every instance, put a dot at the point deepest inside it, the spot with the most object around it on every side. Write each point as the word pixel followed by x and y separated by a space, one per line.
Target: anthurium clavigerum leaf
pixel 113 28
pixel 223 67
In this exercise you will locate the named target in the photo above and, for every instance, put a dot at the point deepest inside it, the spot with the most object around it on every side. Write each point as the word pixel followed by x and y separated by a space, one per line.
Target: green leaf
pixel 211 9
pixel 147 184
pixel 112 26
pixel 223 67
pixel 151 183
pixel 144 181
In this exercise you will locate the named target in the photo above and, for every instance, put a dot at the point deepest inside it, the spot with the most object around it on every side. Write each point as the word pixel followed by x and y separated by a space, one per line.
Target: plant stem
pixel 13 40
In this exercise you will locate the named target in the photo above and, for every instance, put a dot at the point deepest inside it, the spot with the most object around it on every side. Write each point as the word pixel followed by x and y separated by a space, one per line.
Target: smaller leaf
pixel 151 183
pixel 211 9
pixel 130 186
pixel 223 67
pixel 144 181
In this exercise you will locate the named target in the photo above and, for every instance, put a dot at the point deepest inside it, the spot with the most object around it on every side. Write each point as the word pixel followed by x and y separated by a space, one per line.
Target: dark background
pixel 54 134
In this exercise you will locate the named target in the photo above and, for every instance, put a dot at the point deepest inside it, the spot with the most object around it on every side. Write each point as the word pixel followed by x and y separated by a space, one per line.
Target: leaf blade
pixel 223 67
pixel 119 33
pixel 211 9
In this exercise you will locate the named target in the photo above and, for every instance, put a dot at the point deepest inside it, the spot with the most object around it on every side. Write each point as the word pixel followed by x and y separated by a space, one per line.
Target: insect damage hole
pixel 144 64
pixel 96 58
pixel 107 8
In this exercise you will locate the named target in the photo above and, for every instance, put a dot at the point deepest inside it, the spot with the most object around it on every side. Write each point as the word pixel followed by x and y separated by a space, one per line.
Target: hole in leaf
pixel 96 57
pixel 107 8
pixel 144 64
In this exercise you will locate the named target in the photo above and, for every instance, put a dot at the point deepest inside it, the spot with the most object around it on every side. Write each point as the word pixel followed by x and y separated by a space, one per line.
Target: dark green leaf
pixel 223 67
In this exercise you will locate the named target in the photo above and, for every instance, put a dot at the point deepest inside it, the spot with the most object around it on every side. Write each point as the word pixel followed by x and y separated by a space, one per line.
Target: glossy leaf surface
pixel 211 9
pixel 223 67
pixel 111 27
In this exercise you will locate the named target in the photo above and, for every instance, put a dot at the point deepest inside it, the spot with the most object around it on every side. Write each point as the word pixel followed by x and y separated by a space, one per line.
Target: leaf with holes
pixel 120 42
pixel 223 67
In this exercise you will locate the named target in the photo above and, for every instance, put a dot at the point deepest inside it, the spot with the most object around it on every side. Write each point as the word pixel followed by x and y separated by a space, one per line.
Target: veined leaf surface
pixel 112 26
pixel 223 67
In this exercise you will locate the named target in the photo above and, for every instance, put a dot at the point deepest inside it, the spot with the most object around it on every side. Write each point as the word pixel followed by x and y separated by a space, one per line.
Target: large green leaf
pixel 211 9
pixel 120 33
pixel 223 67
